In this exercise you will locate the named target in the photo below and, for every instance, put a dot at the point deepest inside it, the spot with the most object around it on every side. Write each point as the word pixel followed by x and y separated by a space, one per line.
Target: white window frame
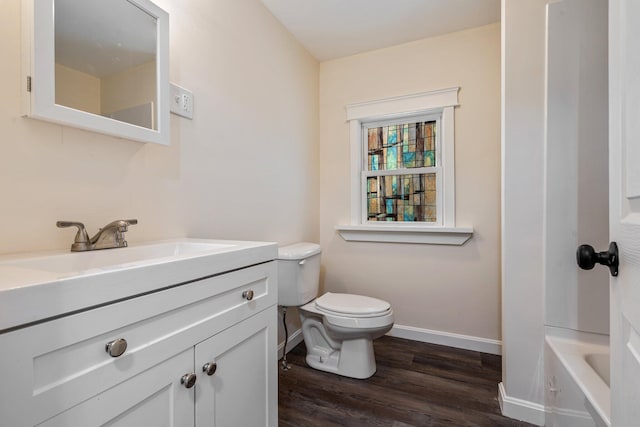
pixel 441 103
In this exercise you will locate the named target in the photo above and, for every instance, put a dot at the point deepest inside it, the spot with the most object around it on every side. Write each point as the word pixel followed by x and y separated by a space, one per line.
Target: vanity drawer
pixel 60 363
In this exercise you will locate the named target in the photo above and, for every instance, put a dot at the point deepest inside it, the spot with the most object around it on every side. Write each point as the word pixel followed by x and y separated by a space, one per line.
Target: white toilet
pixel 338 329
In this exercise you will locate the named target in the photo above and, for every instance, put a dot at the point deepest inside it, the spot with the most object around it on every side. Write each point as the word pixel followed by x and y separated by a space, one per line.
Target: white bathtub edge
pixel 571 353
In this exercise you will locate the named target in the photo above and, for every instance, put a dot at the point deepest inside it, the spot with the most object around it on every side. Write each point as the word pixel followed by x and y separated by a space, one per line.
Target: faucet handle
pixel 81 241
pixel 123 224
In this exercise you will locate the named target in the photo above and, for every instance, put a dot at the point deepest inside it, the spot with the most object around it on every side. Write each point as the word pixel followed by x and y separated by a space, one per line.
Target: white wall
pixel 523 56
pixel 576 204
pixel 450 289
pixel 129 88
pixel 246 167
pixel 76 89
pixel 576 164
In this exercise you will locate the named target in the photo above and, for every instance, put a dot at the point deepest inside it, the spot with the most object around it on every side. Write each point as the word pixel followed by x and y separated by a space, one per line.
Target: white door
pixel 624 208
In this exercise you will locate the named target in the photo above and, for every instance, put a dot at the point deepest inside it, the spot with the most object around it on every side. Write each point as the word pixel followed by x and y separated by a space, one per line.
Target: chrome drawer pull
pixel 248 295
pixel 116 348
pixel 188 380
pixel 210 368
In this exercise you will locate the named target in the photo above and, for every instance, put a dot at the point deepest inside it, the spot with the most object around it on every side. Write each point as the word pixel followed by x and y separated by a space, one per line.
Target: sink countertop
pixel 34 287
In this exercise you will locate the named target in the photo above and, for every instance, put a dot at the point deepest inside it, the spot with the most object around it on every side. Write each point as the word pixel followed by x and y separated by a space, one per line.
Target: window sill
pixel 405 234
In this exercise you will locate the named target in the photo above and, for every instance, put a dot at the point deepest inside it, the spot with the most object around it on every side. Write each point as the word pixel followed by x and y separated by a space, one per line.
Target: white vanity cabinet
pixel 58 372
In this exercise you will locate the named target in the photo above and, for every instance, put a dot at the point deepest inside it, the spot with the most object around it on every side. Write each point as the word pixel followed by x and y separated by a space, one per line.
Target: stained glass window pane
pixel 402 198
pixel 408 145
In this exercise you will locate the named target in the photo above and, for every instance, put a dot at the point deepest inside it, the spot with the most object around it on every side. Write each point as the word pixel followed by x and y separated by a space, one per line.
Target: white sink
pixel 41 286
pixel 74 263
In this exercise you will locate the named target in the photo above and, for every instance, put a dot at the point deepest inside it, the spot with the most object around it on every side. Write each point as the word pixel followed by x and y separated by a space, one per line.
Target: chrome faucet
pixel 109 236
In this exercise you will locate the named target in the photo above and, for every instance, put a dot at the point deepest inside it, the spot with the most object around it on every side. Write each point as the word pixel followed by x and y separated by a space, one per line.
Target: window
pixel 402 170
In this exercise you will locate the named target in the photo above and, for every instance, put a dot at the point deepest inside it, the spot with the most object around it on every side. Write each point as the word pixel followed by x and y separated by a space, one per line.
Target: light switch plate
pixel 181 101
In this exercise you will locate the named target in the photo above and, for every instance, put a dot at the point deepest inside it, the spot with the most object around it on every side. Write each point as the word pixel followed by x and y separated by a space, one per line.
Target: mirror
pixel 101 66
pixel 110 69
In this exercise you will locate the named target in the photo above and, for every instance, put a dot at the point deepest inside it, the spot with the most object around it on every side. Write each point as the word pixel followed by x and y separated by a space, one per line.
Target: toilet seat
pixel 361 321
pixel 349 305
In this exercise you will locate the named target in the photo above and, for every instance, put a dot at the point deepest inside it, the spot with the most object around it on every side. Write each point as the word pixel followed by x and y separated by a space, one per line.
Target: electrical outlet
pixel 181 101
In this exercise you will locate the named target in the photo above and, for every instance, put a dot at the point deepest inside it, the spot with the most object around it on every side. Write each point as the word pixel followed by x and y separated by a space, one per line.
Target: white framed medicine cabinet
pixel 98 65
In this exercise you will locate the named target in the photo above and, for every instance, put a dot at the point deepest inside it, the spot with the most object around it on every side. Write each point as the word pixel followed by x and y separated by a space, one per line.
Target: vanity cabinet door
pixel 242 388
pixel 155 397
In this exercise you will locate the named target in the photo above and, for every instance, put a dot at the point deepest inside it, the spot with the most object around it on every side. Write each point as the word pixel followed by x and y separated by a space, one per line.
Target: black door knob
pixel 587 257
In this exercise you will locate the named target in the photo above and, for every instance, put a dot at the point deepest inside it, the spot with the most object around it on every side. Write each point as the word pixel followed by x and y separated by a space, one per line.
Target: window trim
pixel 441 102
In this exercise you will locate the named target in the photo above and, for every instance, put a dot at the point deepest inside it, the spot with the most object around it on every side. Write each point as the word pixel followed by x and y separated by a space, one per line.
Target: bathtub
pixel 577 379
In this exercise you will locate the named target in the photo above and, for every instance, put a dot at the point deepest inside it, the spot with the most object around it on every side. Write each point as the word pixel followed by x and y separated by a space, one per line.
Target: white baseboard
pixel 520 409
pixel 483 345
pixel 294 339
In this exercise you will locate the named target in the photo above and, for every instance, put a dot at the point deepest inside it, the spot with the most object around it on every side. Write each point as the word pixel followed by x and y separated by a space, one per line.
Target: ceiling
pixel 331 29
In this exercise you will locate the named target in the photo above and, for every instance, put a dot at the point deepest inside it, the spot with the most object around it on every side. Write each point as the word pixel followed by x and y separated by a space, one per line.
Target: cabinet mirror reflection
pixel 105 60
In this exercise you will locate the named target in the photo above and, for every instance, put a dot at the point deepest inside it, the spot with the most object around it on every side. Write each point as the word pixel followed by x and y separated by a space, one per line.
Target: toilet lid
pixel 352 304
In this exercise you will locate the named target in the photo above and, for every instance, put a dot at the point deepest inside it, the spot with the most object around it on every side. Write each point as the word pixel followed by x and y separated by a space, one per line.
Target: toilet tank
pixel 298 273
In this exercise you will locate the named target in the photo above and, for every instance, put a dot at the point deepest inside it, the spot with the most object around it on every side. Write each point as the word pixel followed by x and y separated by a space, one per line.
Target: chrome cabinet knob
pixel 210 368
pixel 188 380
pixel 116 348
pixel 248 295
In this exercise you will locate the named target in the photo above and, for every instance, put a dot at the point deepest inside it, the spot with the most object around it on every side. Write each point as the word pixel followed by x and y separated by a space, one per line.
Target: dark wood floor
pixel 417 384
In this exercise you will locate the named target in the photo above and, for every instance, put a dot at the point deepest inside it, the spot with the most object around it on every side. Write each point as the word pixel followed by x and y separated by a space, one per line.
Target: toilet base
pixel 355 359
pixel 345 351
